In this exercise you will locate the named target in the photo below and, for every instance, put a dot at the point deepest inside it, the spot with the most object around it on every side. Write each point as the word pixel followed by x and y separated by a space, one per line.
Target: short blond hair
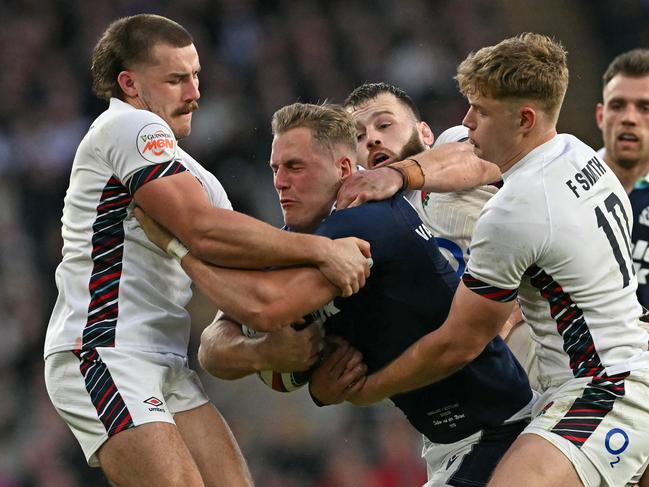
pixel 330 125
pixel 528 66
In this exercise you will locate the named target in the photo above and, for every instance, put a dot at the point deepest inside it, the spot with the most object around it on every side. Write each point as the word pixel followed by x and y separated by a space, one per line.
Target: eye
pixel 360 137
pixel 384 125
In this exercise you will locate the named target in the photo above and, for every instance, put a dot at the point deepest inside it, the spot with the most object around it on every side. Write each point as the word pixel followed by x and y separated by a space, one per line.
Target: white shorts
pixel 601 425
pixel 106 391
pixel 470 461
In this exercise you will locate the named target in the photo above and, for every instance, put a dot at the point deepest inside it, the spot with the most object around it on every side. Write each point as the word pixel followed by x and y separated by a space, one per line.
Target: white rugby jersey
pixel 451 217
pixel 558 234
pixel 116 288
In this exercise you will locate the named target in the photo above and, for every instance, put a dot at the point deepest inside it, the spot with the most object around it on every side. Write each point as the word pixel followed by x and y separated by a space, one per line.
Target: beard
pixel 412 147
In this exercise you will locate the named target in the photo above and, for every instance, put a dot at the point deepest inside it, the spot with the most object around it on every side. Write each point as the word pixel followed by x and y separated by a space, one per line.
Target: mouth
pixel 377 158
pixel 285 202
pixel 628 137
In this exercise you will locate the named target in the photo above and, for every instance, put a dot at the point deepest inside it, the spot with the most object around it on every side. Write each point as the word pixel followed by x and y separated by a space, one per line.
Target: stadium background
pixel 256 56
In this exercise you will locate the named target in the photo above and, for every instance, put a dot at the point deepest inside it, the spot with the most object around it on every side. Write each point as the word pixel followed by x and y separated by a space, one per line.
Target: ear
pixel 599 115
pixel 126 82
pixel 528 118
pixel 346 167
pixel 427 136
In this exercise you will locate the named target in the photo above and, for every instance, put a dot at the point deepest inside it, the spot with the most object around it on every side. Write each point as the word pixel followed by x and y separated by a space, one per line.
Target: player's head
pixel 515 90
pixel 313 152
pixel 388 124
pixel 623 115
pixel 150 62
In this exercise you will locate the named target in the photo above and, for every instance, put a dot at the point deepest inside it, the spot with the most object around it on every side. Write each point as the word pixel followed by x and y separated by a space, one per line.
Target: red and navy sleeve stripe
pixel 487 290
pixel 150 173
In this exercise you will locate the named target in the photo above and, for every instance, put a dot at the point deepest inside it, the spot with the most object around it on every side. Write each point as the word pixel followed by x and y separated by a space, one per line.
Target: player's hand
pixel 455 167
pixel 346 264
pixel 290 350
pixel 340 373
pixel 153 230
pixel 372 185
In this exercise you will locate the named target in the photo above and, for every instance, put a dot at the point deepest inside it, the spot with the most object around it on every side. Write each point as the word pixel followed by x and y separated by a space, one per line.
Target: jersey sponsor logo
pixel 643 219
pixel 453 253
pixel 616 442
pixel 156 143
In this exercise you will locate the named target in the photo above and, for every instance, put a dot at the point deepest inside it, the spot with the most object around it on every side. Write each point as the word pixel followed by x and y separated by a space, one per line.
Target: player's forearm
pixel 449 167
pixel 226 353
pixel 264 301
pixel 235 240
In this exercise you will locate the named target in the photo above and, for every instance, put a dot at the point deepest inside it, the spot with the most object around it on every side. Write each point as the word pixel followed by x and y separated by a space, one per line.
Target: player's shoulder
pixel 366 219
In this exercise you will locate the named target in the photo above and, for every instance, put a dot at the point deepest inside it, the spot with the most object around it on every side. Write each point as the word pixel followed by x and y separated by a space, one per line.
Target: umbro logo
pixel 643 219
pixel 154 401
pixel 156 404
pixel 451 461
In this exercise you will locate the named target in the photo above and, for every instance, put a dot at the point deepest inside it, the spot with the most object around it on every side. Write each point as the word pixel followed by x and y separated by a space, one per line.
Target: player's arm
pixel 231 239
pixel 448 167
pixel 472 323
pixel 227 353
pixel 263 300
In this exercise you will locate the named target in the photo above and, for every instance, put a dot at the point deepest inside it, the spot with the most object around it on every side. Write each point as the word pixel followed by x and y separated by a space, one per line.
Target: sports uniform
pixel 639 197
pixel 408 295
pixel 557 235
pixel 452 217
pixel 117 339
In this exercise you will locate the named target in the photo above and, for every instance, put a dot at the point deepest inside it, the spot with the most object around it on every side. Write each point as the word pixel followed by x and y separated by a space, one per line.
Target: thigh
pixel 534 462
pixel 151 454
pixel 213 447
pixel 602 426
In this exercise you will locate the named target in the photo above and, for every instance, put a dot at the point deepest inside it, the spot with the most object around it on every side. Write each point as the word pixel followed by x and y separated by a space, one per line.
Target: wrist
pixel 315 400
pixel 411 173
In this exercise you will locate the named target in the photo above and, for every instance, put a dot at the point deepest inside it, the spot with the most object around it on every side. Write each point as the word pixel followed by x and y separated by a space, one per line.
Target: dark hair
pixel 369 91
pixel 127 42
pixel 633 63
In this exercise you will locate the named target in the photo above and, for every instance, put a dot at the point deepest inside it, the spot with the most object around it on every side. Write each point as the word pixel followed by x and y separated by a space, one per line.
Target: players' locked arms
pixel 411 172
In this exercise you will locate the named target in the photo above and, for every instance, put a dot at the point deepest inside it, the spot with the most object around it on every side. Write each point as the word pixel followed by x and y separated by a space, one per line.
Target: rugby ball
pixel 279 381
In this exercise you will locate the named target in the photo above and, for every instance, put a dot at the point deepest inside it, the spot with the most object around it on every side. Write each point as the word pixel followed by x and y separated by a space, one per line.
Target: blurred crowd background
pixel 256 56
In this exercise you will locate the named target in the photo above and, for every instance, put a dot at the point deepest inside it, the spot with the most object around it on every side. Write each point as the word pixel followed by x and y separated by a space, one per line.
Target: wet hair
pixel 634 64
pixel 527 66
pixel 127 42
pixel 330 124
pixel 370 91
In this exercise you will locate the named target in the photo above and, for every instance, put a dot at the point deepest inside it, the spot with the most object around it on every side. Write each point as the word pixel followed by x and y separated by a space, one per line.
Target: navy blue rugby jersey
pixel 639 198
pixel 409 294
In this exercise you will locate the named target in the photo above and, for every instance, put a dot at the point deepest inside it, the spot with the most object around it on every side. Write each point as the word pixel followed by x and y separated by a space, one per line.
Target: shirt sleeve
pixel 506 242
pixel 139 147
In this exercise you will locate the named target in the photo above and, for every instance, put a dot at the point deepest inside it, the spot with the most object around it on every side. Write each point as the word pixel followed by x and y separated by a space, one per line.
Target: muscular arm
pixel 263 300
pixel 227 353
pixel 449 167
pixel 231 239
pixel 472 322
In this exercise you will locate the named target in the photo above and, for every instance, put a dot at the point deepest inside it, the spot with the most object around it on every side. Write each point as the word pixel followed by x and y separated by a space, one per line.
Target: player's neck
pixel 627 176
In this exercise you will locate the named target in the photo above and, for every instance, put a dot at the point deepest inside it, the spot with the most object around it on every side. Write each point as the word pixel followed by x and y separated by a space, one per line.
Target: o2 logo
pixel 616 442
pixel 453 253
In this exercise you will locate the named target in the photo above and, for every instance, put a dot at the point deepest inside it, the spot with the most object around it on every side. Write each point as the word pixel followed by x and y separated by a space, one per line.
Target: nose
pixel 469 119
pixel 280 179
pixel 191 92
pixel 373 138
pixel 630 114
